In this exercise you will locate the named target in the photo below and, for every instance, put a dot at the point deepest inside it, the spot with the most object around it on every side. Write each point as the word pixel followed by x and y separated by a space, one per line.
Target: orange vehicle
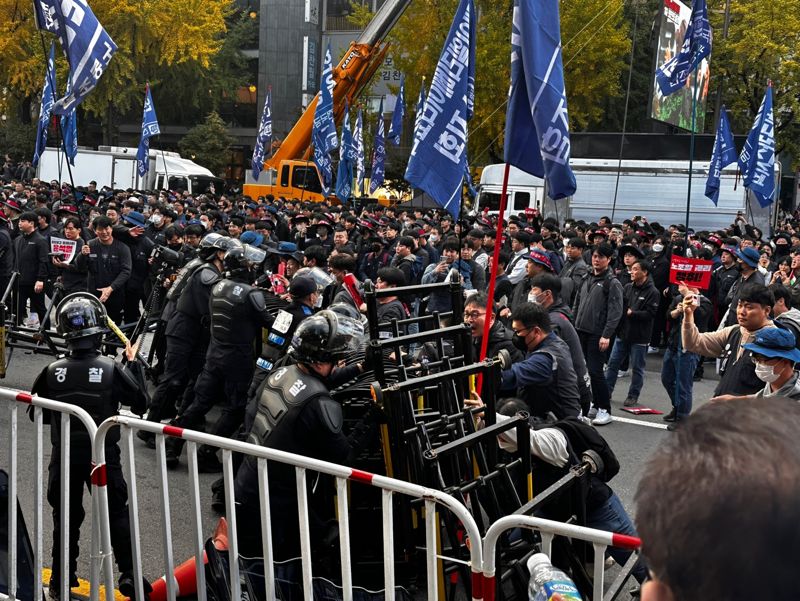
pixel 289 172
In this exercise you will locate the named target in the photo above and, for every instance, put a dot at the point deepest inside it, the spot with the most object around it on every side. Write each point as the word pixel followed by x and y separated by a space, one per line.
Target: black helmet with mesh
pixel 214 242
pixel 80 315
pixel 325 337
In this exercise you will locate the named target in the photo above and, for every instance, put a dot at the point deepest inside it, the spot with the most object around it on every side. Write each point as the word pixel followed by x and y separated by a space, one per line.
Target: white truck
pixel 115 167
pixel 653 189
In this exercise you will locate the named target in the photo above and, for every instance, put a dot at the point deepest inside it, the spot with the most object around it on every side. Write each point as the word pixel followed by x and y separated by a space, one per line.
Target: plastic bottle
pixel 548 583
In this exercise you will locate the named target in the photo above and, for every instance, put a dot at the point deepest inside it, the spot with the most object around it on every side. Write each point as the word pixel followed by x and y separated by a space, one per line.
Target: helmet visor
pixel 347 335
pixel 254 255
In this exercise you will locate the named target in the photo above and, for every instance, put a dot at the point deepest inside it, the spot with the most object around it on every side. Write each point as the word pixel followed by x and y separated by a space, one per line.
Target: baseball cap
pixel 539 258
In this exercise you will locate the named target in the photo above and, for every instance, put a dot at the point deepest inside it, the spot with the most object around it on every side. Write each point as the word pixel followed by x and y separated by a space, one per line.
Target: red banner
pixel 692 272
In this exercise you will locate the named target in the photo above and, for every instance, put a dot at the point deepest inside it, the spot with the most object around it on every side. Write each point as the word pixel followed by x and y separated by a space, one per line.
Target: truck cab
pixel 524 191
pixel 292 179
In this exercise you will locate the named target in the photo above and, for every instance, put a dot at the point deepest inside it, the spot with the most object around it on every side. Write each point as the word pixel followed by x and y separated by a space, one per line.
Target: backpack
pixel 583 437
pixel 416 271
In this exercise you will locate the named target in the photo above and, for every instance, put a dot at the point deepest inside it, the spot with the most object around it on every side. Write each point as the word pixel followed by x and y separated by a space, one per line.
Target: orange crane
pixel 289 172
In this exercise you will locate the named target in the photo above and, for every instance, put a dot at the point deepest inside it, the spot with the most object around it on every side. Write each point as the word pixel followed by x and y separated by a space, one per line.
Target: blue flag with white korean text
pixel 439 153
pixel 264 135
pixel 378 154
pixel 724 154
pixel 69 131
pixel 419 108
pixel 46 107
pixel 344 174
pixel 537 125
pixel 149 128
pixel 396 127
pixel 357 152
pixel 757 159
pixel 672 75
pixel 323 134
pixel 85 43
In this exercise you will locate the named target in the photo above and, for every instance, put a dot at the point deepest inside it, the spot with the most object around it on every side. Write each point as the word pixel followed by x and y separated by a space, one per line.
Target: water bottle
pixel 548 583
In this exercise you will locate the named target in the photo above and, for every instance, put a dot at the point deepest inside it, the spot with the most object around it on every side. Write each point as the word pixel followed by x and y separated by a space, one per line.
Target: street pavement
pixel 633 439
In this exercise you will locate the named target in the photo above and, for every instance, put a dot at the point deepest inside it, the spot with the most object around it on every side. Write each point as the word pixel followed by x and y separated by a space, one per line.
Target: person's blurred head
pixel 754 307
pixel 601 257
pixel 545 290
pixel 531 324
pixel 475 315
pixel 640 271
pixel 575 248
pixel 717 505
pixel 450 251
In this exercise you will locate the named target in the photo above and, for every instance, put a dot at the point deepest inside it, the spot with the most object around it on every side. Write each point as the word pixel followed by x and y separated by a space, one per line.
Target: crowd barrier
pixel 482 552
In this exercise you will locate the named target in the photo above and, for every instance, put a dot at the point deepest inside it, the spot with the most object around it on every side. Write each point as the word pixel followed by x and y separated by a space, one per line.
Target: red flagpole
pixel 493 275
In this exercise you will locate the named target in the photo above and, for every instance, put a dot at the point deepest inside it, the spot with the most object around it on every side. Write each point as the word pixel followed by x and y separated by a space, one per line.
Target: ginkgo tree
pixel 151 35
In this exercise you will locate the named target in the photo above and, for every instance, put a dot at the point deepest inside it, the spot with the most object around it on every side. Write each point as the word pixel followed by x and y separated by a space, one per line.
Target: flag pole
pixel 691 158
pixel 498 243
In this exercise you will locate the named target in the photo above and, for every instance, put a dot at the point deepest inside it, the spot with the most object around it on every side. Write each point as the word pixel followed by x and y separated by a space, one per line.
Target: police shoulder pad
pixel 331 413
pixel 209 276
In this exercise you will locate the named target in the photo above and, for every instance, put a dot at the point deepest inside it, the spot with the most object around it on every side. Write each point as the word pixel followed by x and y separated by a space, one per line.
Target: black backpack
pixel 583 437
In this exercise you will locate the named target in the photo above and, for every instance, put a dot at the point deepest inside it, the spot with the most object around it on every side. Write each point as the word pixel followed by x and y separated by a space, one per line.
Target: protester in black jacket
pixel 641 301
pixel 31 261
pixel 476 318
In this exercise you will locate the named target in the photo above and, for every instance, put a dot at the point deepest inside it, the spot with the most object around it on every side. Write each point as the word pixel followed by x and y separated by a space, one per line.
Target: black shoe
pixel 148 438
pixel 54 590
pixel 173 450
pixel 207 461
pixel 671 416
pixel 127 586
pixel 676 423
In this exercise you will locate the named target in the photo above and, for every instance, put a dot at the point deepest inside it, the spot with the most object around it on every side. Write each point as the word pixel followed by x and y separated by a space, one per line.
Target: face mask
pixel 155 219
pixel 657 248
pixel 532 298
pixel 765 373
pixel 433 237
pixel 519 343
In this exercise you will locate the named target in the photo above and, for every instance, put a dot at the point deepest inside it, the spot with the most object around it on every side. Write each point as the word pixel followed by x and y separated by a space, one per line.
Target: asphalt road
pixel 633 438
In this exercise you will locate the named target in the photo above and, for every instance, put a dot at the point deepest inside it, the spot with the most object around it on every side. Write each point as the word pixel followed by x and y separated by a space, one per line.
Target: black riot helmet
pixel 325 337
pixel 240 259
pixel 214 242
pixel 80 316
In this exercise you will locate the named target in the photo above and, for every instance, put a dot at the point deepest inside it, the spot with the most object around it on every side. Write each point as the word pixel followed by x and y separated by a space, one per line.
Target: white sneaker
pixel 623 374
pixel 652 350
pixel 603 418
pixel 583 419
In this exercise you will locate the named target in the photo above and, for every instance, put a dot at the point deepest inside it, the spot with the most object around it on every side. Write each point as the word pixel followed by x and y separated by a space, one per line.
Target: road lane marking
pixel 638 422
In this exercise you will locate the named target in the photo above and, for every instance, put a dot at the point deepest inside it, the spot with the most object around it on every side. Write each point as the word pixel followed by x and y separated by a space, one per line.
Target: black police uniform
pixel 295 414
pixel 97 384
pixel 238 311
pixel 187 335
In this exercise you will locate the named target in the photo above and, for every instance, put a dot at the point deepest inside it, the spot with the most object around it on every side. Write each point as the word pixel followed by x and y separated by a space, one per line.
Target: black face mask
pixel 519 343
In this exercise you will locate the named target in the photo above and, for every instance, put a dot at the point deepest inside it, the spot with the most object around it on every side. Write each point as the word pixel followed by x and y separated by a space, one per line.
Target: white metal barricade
pixel 600 540
pixel 66 411
pixel 342 475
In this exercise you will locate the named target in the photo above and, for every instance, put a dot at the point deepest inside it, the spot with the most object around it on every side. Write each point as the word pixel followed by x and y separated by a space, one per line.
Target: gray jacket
pixel 790 390
pixel 598 306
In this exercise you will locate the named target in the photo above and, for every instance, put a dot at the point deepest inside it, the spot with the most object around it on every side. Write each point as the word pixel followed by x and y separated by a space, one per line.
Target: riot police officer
pixel 187 329
pixel 99 385
pixel 238 311
pixel 296 414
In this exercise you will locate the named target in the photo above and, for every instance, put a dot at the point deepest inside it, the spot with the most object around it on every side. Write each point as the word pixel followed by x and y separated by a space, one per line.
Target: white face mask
pixel 532 298
pixel 765 373
pixel 658 248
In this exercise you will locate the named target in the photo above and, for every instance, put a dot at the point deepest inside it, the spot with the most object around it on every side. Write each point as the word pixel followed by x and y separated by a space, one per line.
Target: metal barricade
pixel 66 412
pixel 342 475
pixel 548 529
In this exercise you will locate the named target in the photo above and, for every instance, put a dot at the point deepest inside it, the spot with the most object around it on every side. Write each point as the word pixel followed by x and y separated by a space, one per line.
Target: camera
pixel 166 256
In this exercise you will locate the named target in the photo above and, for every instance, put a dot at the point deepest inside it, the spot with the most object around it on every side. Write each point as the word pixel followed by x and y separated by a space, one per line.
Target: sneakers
pixel 652 350
pixel 671 416
pixel 631 402
pixel 173 450
pixel 583 419
pixel 592 412
pixel 603 418
pixel 676 423
pixel 127 586
pixel 623 374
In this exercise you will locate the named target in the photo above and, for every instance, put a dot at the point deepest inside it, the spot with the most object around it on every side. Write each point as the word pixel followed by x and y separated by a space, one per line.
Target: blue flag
pixel 69 129
pixel 357 150
pixel 440 142
pixel 46 107
pixel 264 134
pixel 344 175
pixel 323 134
pixel 149 128
pixel 378 154
pixel 724 154
pixel 757 160
pixel 537 124
pixel 85 43
pixel 420 108
pixel 396 127
pixel 673 74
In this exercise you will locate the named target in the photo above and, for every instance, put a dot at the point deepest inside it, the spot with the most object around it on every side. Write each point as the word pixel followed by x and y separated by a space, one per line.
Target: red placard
pixel 692 272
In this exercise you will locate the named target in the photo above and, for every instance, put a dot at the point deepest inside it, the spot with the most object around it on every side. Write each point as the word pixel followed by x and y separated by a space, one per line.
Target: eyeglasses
pixel 473 315
pixel 519 332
